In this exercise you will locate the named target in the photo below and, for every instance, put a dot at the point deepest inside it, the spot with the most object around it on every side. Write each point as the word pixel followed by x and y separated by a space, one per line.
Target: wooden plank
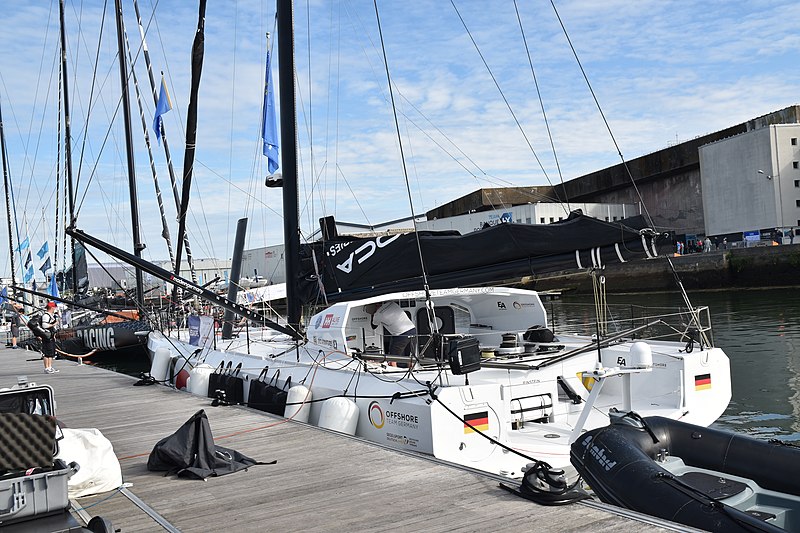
pixel 322 480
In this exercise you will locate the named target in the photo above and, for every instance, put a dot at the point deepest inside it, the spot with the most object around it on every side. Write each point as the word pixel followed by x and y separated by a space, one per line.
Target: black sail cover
pixel 360 267
pixel 190 452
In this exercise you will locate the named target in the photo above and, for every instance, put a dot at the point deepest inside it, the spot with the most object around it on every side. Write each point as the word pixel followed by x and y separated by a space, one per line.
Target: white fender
pixel 339 414
pixel 298 403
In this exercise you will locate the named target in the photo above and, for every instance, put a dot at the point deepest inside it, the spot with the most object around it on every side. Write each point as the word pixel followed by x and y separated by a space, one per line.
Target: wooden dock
pixel 322 481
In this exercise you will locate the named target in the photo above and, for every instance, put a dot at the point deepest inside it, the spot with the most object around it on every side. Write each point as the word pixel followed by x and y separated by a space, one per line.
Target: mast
pixel 58 192
pixel 68 141
pixel 8 197
pixel 198 49
pixel 167 154
pixel 126 115
pixel 233 280
pixel 164 226
pixel 291 226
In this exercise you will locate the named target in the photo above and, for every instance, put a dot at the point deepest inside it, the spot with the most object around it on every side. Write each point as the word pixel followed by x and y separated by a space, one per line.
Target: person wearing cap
pixel 49 344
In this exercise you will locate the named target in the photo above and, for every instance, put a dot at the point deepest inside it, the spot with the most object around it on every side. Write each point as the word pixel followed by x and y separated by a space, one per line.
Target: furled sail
pixel 360 267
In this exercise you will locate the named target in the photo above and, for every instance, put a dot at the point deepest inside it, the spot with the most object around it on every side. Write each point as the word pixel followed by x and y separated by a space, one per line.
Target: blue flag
pixel 28 260
pixel 164 105
pixel 52 290
pixel 28 274
pixel 269 125
pixel 3 296
pixel 43 250
pixel 23 245
pixel 45 266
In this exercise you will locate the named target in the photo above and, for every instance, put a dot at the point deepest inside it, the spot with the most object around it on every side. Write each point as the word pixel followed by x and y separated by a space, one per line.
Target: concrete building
pixel 115 275
pixel 669 180
pixel 751 182
pixel 528 213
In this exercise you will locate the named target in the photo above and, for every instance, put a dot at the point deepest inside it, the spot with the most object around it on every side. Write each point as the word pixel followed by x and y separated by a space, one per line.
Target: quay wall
pixel 757 267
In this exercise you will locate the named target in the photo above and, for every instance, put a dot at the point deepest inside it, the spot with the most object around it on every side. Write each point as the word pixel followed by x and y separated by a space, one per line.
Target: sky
pixel 468 110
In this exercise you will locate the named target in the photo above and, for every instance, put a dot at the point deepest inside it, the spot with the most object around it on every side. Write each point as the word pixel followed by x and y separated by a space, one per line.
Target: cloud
pixel 661 70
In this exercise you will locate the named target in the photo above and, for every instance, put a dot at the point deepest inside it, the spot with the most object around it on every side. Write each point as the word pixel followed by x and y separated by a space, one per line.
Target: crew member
pixel 49 322
pixel 15 326
pixel 401 328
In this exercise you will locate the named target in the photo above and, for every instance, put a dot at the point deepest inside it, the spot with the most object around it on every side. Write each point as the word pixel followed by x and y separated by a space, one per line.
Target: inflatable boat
pixel 701 477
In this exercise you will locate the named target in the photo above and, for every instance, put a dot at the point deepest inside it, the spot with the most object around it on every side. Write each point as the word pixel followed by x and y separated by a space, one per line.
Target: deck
pixel 322 480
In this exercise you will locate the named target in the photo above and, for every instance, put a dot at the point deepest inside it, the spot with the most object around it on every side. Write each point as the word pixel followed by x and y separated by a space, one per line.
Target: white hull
pixel 522 407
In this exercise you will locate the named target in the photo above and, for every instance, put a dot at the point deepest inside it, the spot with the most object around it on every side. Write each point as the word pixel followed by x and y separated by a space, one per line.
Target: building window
pixel 541 220
pixel 615 219
pixel 606 219
pixel 528 220
pixel 797 183
pixel 551 219
pixel 794 141
pixel 797 203
pixel 795 164
pixel 560 219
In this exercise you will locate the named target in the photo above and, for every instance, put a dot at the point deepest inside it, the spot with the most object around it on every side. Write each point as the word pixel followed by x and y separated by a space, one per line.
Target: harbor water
pixel 759 329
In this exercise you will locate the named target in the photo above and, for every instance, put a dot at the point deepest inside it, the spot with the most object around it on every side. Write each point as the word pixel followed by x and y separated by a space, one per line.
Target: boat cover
pixel 99 467
pixel 351 267
pixel 190 452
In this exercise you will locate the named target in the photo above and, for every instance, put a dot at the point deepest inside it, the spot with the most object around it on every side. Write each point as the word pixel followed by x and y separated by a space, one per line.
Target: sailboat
pixel 94 328
pixel 489 385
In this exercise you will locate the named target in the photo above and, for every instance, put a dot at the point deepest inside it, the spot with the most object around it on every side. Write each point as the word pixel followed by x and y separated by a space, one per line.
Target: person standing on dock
pixel 15 327
pixel 48 340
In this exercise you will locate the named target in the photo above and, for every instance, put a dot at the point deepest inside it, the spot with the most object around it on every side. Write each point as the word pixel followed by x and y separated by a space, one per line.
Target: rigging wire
pixel 310 106
pixel 541 102
pixel 684 294
pixel 146 135
pixel 91 96
pixel 508 104
pixel 426 288
pixel 233 104
pixel 493 180
pixel 58 180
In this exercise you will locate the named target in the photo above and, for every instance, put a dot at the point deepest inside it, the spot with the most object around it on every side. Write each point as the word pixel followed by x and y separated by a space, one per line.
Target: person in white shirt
pixel 49 322
pixel 401 328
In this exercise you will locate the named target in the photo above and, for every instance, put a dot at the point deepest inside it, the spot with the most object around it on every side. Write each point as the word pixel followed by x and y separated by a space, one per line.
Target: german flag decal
pixel 479 421
pixel 702 382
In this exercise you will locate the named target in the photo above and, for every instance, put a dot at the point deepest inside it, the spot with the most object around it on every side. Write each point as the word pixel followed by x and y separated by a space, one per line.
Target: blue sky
pixel 663 71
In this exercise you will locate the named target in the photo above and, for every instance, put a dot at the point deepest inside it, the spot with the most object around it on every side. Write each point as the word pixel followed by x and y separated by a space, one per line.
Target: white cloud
pixel 661 70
